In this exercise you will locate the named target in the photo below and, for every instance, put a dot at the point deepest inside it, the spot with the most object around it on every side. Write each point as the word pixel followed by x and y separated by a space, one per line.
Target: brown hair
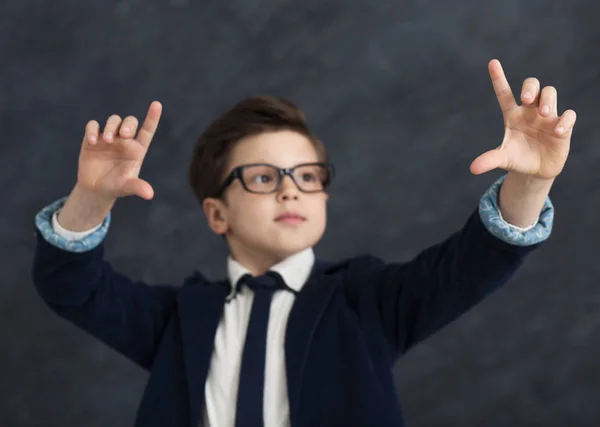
pixel 251 116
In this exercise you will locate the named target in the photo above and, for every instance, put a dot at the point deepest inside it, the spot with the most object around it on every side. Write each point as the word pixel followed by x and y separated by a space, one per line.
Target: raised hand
pixel 536 140
pixel 110 161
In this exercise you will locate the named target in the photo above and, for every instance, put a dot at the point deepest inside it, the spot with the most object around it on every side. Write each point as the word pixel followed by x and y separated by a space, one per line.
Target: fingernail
pixel 93 138
pixel 527 95
pixel 108 135
pixel 560 129
pixel 545 109
pixel 125 130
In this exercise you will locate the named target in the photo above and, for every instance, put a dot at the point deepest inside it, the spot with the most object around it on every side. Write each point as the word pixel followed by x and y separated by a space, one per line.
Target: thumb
pixel 488 161
pixel 138 187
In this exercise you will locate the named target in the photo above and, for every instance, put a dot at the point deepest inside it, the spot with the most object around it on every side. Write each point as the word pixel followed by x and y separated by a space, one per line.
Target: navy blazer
pixel 348 325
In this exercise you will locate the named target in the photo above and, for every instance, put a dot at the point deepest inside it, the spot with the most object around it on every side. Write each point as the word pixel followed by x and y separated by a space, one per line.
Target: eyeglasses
pixel 263 178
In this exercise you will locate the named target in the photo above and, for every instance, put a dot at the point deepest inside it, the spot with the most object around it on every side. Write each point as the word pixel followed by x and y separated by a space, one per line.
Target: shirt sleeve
pixel 47 223
pixel 491 217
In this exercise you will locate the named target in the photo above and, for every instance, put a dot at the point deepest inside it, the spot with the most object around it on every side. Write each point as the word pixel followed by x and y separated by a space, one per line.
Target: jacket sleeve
pixel 75 280
pixel 415 299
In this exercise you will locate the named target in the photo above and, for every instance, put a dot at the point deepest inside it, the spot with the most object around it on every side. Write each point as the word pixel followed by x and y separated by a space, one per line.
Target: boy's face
pixel 257 235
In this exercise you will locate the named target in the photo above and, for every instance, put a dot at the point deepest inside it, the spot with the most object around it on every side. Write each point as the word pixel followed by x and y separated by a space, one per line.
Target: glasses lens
pixel 261 179
pixel 311 177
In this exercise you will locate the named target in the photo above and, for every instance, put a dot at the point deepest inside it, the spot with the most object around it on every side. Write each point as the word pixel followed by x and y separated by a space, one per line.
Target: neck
pixel 257 262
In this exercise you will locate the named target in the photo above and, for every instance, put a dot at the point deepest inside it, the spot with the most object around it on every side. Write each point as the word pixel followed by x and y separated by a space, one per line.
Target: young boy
pixel 285 339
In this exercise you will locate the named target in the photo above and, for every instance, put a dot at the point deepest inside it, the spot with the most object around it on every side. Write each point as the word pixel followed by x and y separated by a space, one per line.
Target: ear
pixel 216 215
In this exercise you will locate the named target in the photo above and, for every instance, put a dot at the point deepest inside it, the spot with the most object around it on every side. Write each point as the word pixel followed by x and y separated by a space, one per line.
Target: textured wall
pixel 400 93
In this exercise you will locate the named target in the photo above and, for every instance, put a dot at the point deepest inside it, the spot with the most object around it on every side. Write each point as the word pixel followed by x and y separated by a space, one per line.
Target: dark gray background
pixel 401 95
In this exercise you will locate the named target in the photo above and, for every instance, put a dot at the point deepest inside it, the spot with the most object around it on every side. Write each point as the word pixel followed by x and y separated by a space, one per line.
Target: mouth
pixel 290 218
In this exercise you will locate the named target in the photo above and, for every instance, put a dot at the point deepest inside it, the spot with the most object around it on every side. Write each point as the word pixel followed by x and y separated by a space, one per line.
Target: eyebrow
pixel 277 164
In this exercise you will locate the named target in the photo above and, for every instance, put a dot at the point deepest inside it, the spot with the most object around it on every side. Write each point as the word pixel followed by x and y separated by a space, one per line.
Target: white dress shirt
pixel 224 372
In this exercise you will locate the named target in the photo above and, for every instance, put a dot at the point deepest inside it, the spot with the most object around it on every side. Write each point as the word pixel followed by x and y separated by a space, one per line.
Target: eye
pixel 309 177
pixel 262 179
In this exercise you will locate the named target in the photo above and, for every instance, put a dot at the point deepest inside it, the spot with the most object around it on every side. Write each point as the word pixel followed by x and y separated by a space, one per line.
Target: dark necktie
pixel 249 411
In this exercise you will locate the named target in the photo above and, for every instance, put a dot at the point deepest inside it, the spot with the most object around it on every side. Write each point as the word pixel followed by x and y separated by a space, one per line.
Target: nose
pixel 288 190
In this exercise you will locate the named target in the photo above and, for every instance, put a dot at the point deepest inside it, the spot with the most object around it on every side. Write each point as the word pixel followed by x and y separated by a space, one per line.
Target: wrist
pixel 84 209
pixel 529 183
pixel 91 197
pixel 522 197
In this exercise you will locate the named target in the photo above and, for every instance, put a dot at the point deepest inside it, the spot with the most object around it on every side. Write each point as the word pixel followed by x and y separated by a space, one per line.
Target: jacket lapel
pixel 201 305
pixel 305 315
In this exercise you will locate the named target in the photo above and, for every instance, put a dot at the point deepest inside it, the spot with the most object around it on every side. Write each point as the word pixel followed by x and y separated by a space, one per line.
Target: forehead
pixel 281 148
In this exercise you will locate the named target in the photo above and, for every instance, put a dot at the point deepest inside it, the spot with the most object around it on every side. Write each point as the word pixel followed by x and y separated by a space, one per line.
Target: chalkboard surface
pixel 401 96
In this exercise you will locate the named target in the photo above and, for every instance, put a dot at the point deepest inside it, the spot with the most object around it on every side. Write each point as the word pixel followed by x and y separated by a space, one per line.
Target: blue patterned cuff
pixel 43 222
pixel 489 211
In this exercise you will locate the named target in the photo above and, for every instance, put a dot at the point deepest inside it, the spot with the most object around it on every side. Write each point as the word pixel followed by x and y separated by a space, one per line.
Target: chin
pixel 288 249
pixel 284 252
pixel 283 245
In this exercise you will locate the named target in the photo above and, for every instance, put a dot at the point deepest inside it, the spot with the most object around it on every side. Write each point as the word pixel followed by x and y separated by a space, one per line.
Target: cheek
pixel 319 210
pixel 252 214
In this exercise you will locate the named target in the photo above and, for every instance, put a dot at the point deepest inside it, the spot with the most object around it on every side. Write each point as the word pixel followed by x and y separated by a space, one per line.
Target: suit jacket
pixel 348 325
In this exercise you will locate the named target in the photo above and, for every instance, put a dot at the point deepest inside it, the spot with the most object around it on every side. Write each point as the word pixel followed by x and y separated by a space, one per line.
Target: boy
pixel 286 340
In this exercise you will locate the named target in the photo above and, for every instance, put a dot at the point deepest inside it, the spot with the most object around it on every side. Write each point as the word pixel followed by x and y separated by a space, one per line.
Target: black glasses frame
pixel 238 171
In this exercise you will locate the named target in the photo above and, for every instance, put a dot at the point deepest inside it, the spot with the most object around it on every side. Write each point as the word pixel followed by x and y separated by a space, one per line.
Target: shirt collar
pixel 295 269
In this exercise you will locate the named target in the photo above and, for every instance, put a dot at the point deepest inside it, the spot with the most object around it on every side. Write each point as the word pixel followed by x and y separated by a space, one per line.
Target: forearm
pixel 83 288
pixel 442 282
pixel 80 285
pixel 522 198
pixel 83 210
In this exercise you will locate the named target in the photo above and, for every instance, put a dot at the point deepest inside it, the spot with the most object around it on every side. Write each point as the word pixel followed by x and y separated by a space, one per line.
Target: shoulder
pixel 355 277
pixel 198 280
pixel 353 269
pixel 348 263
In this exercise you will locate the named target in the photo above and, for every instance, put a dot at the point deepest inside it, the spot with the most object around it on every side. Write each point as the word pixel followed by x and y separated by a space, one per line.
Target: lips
pixel 290 217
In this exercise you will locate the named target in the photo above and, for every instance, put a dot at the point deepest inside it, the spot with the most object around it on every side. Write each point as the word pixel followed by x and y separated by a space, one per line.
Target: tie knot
pixel 268 282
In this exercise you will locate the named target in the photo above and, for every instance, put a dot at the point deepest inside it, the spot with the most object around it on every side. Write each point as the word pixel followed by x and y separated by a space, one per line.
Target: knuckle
pixel 503 90
pixel 532 81
pixel 131 119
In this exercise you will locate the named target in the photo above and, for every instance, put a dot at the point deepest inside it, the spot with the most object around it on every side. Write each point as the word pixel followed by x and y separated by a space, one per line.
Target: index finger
pixel 501 86
pixel 150 125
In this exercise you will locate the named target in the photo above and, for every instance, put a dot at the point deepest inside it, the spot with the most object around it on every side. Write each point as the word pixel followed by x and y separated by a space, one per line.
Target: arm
pixel 417 298
pixel 73 278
